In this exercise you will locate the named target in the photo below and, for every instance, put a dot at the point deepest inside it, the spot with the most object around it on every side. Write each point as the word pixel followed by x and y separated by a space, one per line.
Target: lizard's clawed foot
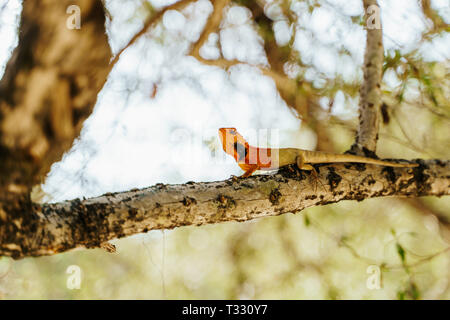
pixel 305 166
pixel 235 178
pixel 316 179
pixel 109 247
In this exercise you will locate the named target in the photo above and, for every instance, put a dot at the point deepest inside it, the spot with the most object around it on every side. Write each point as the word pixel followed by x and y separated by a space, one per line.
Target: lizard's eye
pixel 232 131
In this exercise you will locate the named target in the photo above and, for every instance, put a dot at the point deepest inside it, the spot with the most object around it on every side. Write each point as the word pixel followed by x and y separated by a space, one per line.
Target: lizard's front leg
pixel 304 166
pixel 249 169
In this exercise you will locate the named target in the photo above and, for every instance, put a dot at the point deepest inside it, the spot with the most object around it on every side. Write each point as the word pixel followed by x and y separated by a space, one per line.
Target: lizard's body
pixel 251 158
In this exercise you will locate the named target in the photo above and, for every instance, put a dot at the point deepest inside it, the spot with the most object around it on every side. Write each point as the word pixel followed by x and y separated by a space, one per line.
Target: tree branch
pixel 370 94
pixel 33 230
pixel 297 94
pixel 149 23
pixel 212 25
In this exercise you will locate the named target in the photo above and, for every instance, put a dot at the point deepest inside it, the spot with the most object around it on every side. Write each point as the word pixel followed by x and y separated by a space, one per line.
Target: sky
pixel 137 136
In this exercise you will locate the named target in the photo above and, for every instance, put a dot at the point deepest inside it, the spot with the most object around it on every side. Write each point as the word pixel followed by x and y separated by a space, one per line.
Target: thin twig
pixel 211 26
pixel 370 94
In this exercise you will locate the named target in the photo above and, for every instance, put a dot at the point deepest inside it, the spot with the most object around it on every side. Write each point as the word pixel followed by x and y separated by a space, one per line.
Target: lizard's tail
pixel 321 157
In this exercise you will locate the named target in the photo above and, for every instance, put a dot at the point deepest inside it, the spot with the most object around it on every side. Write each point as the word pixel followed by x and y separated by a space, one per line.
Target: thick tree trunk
pixel 49 88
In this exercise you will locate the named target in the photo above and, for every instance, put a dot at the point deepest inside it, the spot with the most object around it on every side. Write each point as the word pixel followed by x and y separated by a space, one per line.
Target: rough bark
pixel 52 228
pixel 49 88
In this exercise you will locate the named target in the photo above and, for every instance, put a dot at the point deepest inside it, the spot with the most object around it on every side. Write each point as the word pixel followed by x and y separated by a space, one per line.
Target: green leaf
pixel 306 220
pixel 414 291
pixel 401 252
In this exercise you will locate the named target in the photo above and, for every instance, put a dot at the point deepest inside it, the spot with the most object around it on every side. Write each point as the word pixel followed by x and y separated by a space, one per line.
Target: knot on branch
pixel 358 150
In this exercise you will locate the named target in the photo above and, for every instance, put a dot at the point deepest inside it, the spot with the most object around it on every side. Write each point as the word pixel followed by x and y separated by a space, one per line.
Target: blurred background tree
pixel 181 71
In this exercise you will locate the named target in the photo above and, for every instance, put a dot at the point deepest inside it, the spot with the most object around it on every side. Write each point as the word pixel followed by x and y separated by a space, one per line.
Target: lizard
pixel 250 158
